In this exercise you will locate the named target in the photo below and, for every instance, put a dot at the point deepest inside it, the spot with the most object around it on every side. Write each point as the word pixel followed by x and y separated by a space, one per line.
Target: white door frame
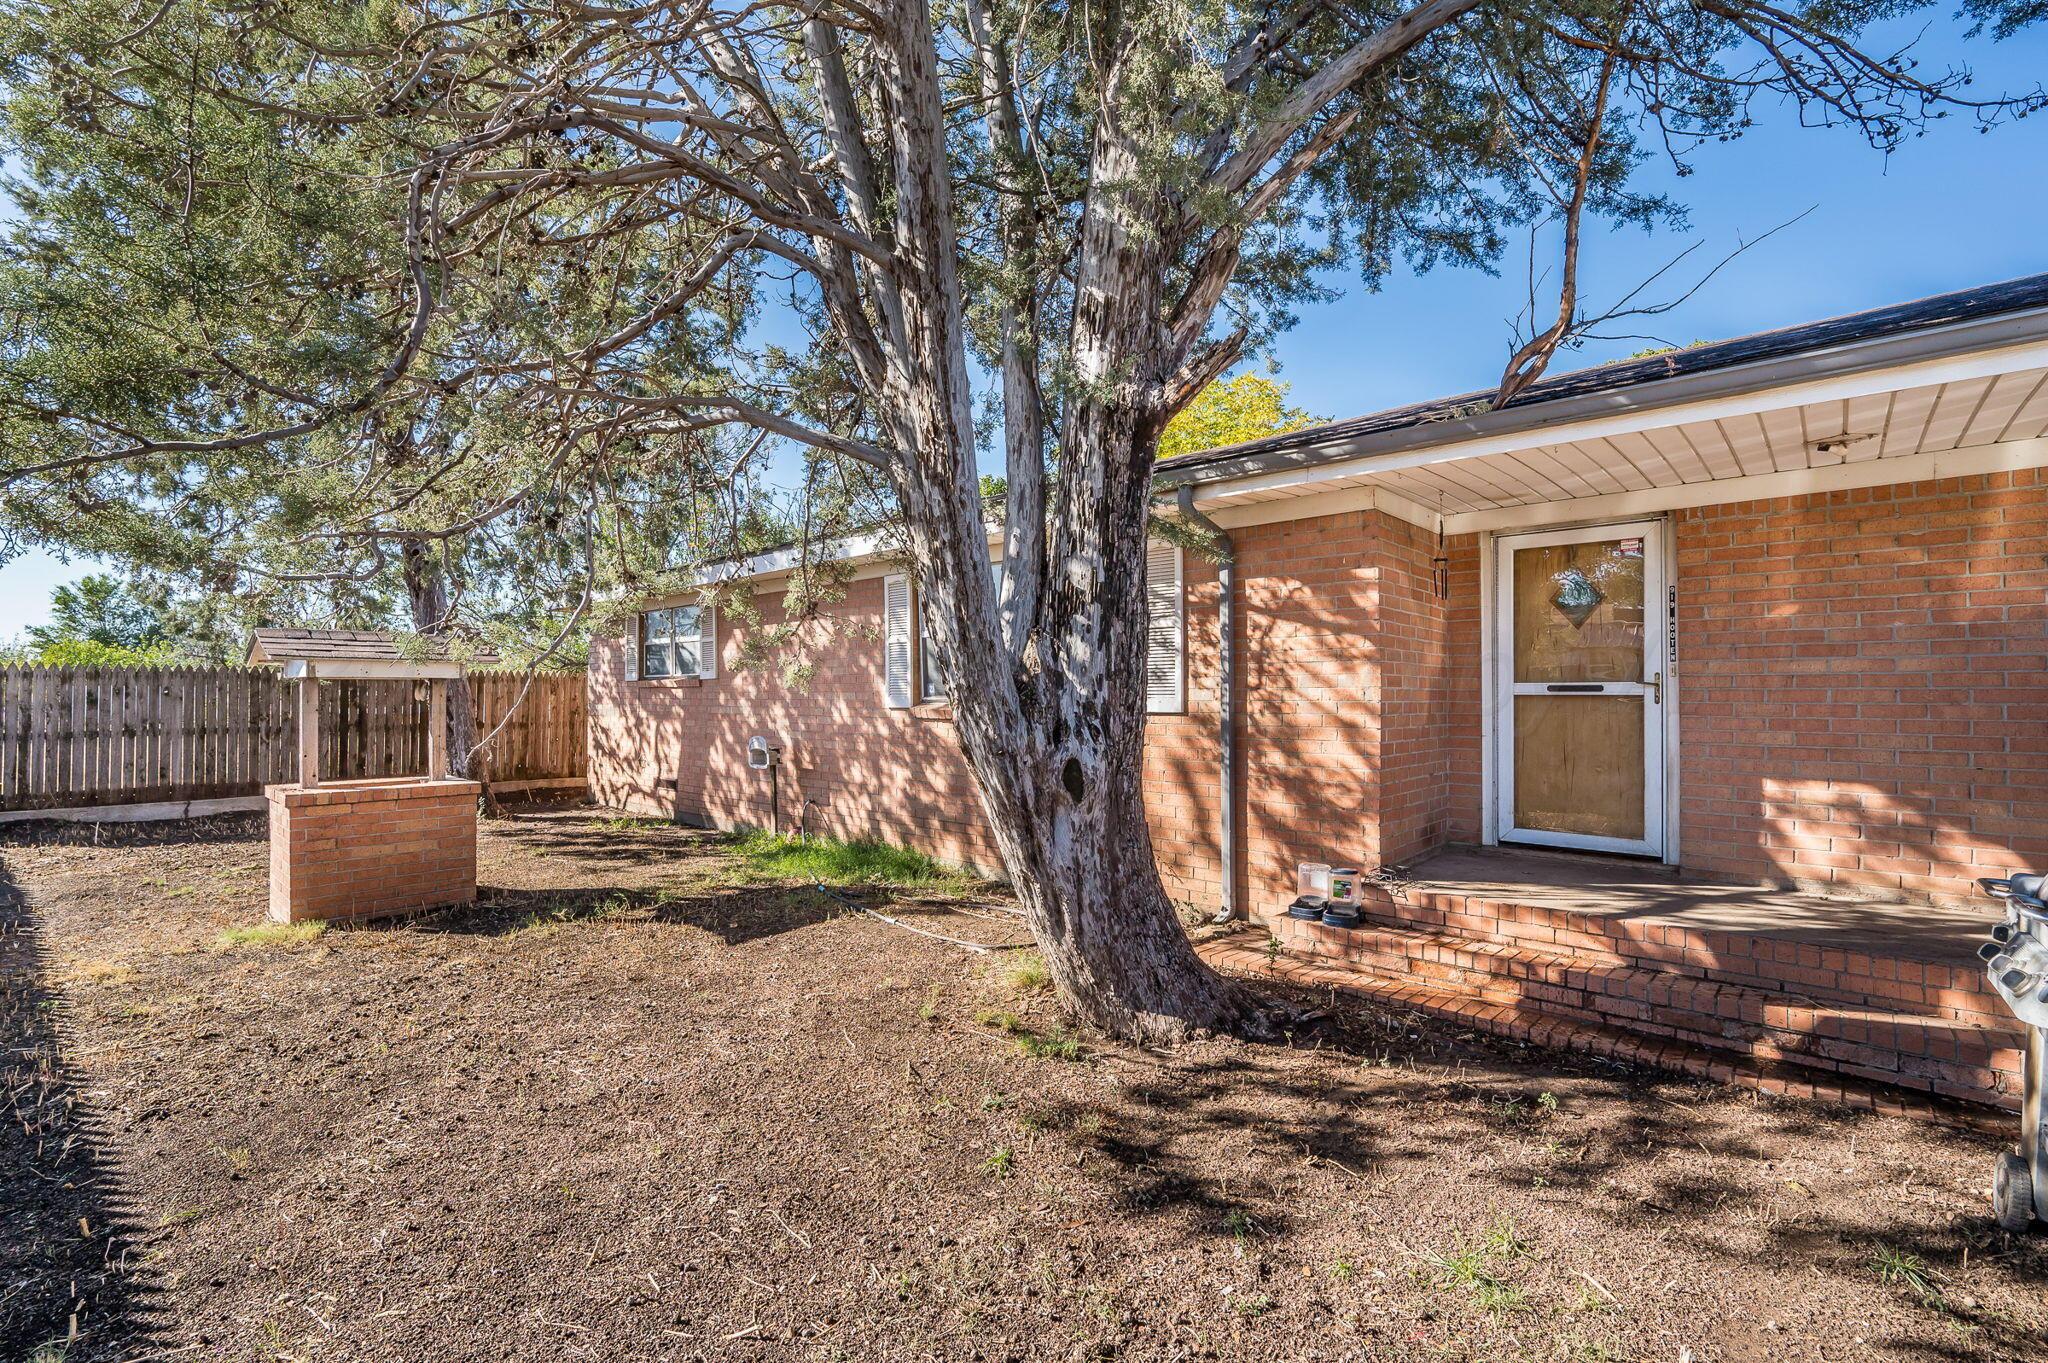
pixel 1660 714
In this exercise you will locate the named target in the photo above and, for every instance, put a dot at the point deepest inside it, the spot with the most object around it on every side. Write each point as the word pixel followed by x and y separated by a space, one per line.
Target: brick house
pixel 1686 695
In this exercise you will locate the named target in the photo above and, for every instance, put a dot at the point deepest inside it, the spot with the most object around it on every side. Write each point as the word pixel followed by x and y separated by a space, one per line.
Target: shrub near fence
pixel 93 736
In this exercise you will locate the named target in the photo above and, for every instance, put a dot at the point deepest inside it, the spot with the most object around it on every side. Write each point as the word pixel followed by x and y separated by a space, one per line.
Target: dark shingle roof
pixel 1990 300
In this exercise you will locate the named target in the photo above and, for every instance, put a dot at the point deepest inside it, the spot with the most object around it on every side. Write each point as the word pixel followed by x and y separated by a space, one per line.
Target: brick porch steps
pixel 1244 953
pixel 1832 1037
pixel 1774 964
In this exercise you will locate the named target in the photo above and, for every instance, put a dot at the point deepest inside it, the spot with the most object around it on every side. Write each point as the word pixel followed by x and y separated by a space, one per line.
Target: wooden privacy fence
pixel 74 737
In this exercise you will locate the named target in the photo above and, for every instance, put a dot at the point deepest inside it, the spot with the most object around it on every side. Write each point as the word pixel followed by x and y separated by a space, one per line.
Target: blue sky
pixel 1953 209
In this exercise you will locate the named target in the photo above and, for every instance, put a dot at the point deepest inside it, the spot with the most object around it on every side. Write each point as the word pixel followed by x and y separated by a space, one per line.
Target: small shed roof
pixel 356 653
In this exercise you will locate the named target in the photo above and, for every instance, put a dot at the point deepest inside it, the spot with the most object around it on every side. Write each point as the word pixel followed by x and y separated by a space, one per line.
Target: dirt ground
pixel 637 1107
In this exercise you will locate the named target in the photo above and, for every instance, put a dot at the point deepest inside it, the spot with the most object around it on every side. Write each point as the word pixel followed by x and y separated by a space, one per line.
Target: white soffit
pixel 1833 433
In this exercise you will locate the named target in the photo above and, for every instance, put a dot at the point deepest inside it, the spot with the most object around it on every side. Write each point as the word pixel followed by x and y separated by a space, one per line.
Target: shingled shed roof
pixel 355 653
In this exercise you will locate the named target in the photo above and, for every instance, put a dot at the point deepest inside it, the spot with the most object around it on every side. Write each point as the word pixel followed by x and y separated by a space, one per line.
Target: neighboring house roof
pixel 385 652
pixel 1951 323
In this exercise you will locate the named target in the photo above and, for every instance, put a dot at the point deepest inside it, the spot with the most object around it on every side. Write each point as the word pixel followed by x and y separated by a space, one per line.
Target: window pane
pixel 654 659
pixel 1579 612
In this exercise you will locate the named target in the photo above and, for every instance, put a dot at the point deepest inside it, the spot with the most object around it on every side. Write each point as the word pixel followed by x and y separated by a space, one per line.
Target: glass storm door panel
pixel 1581 649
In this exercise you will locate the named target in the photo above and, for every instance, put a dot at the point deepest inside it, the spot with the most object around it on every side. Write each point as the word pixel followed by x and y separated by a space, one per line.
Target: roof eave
pixel 1304 450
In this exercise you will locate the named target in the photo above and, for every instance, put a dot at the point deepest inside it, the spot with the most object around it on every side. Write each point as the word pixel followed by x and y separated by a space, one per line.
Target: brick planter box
pixel 363 849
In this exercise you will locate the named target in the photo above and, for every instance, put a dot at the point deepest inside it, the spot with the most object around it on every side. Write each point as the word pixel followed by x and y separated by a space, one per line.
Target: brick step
pixel 1241 953
pixel 1952 1057
pixel 1828 974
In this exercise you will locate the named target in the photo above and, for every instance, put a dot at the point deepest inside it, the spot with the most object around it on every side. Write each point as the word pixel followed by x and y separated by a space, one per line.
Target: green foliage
pixel 831 862
pixel 1230 412
pixel 88 653
pixel 98 609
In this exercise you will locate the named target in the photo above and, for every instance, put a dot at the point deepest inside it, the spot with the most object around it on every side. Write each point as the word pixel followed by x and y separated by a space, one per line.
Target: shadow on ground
pixel 71 1283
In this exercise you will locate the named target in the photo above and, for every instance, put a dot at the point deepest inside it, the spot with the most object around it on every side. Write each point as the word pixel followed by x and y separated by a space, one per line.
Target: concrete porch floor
pixel 1647 892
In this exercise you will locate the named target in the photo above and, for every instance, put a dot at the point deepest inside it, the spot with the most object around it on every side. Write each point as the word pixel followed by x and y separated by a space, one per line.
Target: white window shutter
pixel 707 640
pixel 1165 668
pixel 633 650
pixel 896 633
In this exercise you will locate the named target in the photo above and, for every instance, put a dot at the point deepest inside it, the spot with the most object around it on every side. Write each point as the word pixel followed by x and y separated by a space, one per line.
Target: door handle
pixel 1657 689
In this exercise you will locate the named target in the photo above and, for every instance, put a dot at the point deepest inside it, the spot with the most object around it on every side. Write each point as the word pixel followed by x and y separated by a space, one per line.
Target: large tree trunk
pixel 426 595
pixel 1054 733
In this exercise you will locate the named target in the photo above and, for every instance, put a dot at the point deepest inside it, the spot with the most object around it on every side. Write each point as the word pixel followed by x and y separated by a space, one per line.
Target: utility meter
pixel 760 755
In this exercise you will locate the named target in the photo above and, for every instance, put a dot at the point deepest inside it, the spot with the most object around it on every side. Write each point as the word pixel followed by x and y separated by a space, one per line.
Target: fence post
pixel 309 730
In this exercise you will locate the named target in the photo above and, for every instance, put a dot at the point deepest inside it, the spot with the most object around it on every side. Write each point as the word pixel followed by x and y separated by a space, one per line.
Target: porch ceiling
pixel 1690 447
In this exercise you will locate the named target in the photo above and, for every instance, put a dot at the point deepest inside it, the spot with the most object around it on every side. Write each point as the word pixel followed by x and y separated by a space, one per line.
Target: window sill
pixel 932 709
pixel 669 681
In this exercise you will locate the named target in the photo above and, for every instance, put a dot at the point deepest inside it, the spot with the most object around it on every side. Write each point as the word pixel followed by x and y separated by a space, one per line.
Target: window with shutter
pixel 1165 670
pixel 896 637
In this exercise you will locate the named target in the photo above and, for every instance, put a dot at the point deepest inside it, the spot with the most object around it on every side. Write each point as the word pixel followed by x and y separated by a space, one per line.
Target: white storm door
pixel 1579 725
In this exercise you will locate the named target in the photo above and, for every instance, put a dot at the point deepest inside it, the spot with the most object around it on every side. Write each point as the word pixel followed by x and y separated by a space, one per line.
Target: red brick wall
pixel 869 771
pixel 360 849
pixel 1865 696
pixel 1862 704
pixel 1313 681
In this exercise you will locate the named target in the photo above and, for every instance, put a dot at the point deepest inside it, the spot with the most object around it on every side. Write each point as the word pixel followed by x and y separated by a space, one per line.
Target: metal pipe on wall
pixel 1226 692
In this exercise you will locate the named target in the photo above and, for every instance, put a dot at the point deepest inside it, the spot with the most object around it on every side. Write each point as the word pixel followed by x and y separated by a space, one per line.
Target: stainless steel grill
pixel 2016 960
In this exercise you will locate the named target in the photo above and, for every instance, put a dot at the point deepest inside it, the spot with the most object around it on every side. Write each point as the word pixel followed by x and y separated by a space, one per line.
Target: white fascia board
pixel 1633 415
pixel 1330 502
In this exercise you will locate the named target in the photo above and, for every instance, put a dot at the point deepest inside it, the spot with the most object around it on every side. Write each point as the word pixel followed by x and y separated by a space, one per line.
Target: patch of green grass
pixel 929 1009
pixel 1002 1021
pixel 1896 1268
pixel 266 935
pixel 1477 1267
pixel 832 862
pixel 1054 1045
pixel 1029 975
pixel 1001 1164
